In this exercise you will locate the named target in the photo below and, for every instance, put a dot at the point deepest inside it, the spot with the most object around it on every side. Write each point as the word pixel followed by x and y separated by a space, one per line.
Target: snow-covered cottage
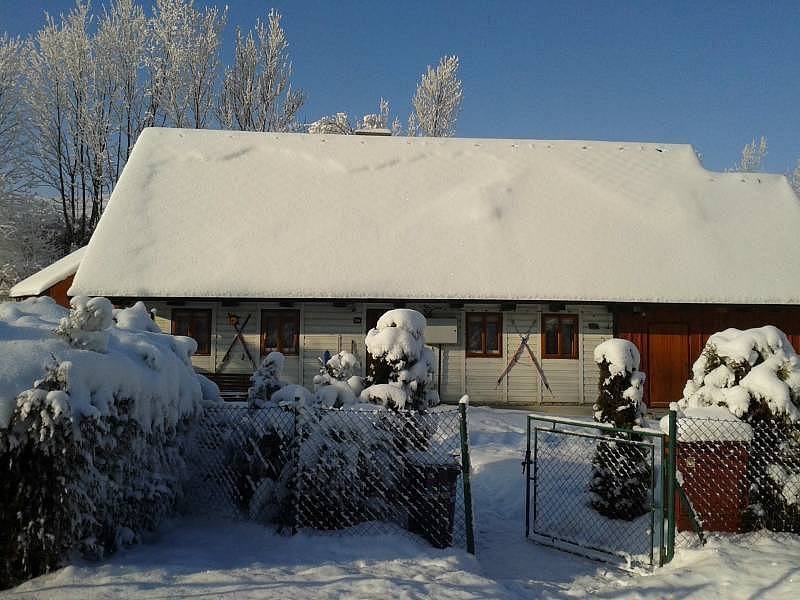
pixel 253 242
pixel 53 281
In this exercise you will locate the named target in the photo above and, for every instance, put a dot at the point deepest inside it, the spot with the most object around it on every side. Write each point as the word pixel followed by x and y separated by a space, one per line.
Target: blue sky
pixel 713 74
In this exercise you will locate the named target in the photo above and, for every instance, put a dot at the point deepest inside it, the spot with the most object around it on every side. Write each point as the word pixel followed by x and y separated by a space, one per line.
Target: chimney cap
pixel 378 131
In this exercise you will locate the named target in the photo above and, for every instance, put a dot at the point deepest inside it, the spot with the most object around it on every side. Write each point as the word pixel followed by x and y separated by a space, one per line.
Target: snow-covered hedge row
pixel 94 404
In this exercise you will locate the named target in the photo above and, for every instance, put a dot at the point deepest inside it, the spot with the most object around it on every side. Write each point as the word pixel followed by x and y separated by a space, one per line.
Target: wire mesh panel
pixel 595 492
pixel 737 477
pixel 334 470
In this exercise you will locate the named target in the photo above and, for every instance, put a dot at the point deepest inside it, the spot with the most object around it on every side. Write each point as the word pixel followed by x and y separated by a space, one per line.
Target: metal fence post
pixel 465 471
pixel 527 471
pixel 672 465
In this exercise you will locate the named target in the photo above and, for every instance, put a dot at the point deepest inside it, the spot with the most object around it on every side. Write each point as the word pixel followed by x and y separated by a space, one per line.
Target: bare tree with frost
pixel 13 168
pixel 69 92
pixel 122 35
pixel 183 62
pixel 256 92
pixel 437 100
pixel 753 156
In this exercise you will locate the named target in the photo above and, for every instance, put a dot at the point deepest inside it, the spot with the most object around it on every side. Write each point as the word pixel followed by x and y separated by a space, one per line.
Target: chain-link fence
pixel 595 490
pixel 737 477
pixel 355 471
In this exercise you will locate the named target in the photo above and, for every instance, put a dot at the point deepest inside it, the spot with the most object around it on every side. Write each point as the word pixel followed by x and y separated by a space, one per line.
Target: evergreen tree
pixel 621 471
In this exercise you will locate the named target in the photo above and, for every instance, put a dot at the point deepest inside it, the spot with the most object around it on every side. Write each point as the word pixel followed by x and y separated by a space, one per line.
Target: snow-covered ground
pixel 222 559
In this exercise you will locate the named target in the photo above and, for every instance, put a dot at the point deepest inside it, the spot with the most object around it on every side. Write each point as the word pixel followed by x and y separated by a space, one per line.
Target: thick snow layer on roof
pixel 49 276
pixel 263 215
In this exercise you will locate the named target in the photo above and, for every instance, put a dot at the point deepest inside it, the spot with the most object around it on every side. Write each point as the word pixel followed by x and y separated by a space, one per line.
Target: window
pixel 484 334
pixel 280 331
pixel 560 336
pixel 194 323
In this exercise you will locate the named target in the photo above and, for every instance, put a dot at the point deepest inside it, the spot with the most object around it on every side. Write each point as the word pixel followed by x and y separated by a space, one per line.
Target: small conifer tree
pixel 621 471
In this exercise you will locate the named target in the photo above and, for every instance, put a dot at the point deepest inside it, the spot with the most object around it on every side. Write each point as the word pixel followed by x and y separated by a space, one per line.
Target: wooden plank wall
pixel 324 326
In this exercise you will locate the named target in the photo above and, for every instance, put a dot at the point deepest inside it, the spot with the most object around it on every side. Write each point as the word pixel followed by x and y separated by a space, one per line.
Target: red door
pixel 667 362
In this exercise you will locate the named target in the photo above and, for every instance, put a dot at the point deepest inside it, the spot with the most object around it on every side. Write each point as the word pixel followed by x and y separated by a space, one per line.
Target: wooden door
pixel 667 362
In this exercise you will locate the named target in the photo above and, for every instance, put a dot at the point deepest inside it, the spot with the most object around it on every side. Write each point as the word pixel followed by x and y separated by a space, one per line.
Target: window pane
pixel 269 329
pixel 551 335
pixel 180 323
pixel 492 336
pixel 289 335
pixel 474 334
pixel 567 333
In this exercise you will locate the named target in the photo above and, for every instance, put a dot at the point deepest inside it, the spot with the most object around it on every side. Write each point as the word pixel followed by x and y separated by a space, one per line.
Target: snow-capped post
pixel 466 468
pixel 671 475
pixel 402 370
pixel 621 472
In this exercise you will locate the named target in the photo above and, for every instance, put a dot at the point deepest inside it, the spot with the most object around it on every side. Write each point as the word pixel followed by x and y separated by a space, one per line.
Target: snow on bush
pixel 92 431
pixel 135 317
pixel 621 471
pixel 401 361
pixel 87 324
pixel 751 372
pixel 266 380
pixel 337 385
pixel 754 375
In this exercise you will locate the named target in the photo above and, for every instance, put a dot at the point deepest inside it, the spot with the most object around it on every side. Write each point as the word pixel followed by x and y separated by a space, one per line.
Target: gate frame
pixel 665 504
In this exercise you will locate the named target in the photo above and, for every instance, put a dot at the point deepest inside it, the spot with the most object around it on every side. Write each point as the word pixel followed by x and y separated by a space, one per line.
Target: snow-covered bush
pixel 755 374
pixel 91 454
pixel 87 324
pixel 621 471
pixel 266 380
pixel 337 383
pixel 402 361
pixel 346 467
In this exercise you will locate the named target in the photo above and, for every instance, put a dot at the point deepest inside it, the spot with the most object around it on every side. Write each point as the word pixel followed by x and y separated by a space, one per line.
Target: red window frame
pixel 196 324
pixel 481 319
pixel 278 318
pixel 560 336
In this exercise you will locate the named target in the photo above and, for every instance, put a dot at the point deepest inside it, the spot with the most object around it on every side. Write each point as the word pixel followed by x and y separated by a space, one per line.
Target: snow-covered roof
pixel 265 215
pixel 49 276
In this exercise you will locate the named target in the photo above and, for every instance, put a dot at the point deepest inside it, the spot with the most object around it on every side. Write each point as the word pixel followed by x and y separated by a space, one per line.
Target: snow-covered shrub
pixel 402 361
pixel 91 455
pixel 337 383
pixel 87 324
pixel 621 471
pixel 755 374
pixel 346 467
pixel 266 380
pixel 136 317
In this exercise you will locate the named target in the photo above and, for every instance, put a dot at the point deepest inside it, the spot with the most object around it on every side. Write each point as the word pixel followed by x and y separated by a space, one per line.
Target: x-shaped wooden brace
pixel 523 345
pixel 240 338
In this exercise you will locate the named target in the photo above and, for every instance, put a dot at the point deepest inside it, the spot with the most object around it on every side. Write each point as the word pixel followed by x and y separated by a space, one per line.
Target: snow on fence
pixel 737 476
pixel 354 471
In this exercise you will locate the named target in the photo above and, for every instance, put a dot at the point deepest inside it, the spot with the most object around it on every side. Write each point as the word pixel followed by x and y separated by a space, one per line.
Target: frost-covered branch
pixel 753 156
pixel 437 101
pixel 183 62
pixel 14 173
pixel 256 92
pixel 341 124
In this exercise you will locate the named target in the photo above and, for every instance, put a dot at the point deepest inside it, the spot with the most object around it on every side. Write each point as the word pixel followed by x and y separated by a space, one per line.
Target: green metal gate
pixel 559 466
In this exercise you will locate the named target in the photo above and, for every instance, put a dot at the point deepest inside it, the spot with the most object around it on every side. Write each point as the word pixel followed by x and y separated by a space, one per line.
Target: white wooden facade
pixel 342 326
